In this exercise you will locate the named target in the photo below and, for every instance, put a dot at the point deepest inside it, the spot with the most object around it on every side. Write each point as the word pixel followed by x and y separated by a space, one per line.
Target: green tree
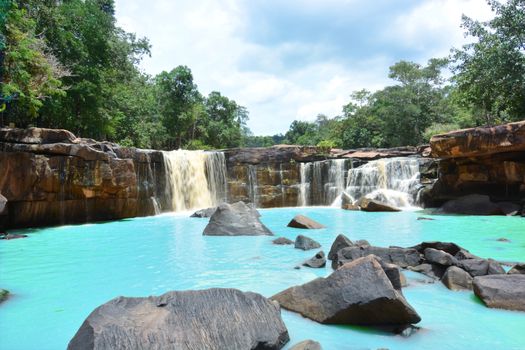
pixel 490 73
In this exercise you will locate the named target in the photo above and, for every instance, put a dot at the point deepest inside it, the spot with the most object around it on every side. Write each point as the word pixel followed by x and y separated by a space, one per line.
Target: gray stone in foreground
pixel 440 257
pixel 307 345
pixel 237 219
pixel 282 241
pixel 305 243
pixel 341 241
pixel 317 261
pixel 457 279
pixel 501 291
pixel 359 293
pixel 517 269
pixel 205 319
pixel 204 213
pixel 301 221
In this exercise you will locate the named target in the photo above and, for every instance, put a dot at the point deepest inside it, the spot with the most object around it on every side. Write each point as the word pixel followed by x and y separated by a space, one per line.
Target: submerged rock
pixel 4 294
pixel 457 279
pixel 204 213
pixel 282 241
pixel 341 241
pixel 305 243
pixel 367 204
pixel 307 345
pixel 317 261
pixel 301 221
pixel 358 293
pixel 205 319
pixel 501 291
pixel 402 257
pixel 236 219
pixel 517 269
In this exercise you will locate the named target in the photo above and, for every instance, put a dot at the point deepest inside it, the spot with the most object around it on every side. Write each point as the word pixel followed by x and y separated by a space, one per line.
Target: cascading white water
pixel 392 180
pixel 305 170
pixel 335 184
pixel 187 186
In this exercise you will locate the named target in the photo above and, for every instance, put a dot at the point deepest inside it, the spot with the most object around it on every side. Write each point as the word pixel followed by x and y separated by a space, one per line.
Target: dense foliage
pixel 65 64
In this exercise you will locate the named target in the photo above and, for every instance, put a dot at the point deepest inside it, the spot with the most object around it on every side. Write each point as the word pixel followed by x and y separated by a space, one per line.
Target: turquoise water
pixel 59 275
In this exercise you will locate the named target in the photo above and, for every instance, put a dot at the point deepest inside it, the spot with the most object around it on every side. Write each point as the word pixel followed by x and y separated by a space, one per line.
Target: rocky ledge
pixel 45 171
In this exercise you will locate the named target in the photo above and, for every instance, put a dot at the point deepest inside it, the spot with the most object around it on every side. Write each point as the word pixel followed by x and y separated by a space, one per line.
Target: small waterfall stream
pixel 194 179
pixel 391 180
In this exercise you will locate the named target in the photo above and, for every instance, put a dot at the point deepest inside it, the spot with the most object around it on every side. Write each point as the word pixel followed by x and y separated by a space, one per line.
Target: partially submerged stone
pixel 358 293
pixel 282 241
pixel 236 219
pixel 457 279
pixel 301 221
pixel 204 319
pixel 317 261
pixel 501 291
pixel 305 243
pixel 367 204
pixel 307 345
pixel 204 213
pixel 340 242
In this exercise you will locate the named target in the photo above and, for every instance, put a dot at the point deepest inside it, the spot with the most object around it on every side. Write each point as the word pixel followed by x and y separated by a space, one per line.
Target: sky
pixel 290 59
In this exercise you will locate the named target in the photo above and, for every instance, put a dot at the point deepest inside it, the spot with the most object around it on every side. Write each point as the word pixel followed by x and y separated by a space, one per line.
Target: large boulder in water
pixel 301 221
pixel 358 293
pixel 367 204
pixel 501 291
pixel 205 319
pixel 481 267
pixel 473 204
pixel 402 257
pixel 457 279
pixel 440 257
pixel 204 213
pixel 236 219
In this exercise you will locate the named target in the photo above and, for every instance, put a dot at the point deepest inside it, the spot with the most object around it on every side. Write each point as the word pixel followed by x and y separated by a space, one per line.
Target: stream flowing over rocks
pixel 206 319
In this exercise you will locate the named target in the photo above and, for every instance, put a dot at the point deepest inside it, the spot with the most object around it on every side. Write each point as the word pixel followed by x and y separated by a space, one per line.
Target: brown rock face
pixel 478 142
pixel 50 177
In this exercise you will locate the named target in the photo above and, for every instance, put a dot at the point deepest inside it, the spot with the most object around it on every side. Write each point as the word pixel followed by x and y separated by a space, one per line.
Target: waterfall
pixel 392 180
pixel 335 184
pixel 305 170
pixel 194 179
pixel 252 184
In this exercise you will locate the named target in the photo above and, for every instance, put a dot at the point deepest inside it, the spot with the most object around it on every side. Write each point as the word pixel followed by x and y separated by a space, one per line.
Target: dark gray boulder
pixel 307 345
pixel 341 241
pixel 204 213
pixel 282 241
pixel 435 256
pixel 517 269
pixel 481 267
pixel 305 243
pixel 449 247
pixel 358 293
pixel 301 221
pixel 501 291
pixel 402 257
pixel 431 270
pixel 473 204
pixel 367 204
pixel 317 261
pixel 205 319
pixel 236 219
pixel 457 279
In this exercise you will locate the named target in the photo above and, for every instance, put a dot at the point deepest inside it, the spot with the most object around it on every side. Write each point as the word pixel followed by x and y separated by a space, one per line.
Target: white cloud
pixel 208 36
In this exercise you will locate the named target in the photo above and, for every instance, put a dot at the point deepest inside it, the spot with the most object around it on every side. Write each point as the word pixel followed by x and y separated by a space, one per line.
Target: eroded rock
pixel 457 279
pixel 301 221
pixel 305 243
pixel 317 261
pixel 205 319
pixel 236 219
pixel 367 204
pixel 501 291
pixel 340 242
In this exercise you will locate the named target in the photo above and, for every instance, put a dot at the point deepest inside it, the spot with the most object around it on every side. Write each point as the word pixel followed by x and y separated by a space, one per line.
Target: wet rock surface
pixel 317 261
pixel 206 319
pixel 301 221
pixel 501 291
pixel 457 279
pixel 358 293
pixel 204 213
pixel 305 243
pixel 236 219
